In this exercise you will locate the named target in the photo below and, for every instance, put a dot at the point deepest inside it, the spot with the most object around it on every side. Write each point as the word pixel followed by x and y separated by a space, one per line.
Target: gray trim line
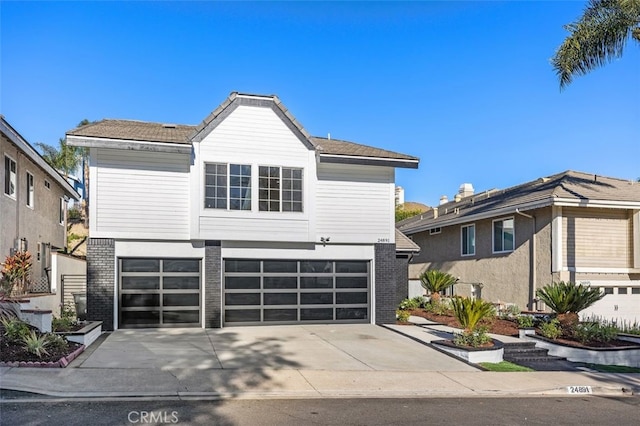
pixel 368 161
pixel 132 145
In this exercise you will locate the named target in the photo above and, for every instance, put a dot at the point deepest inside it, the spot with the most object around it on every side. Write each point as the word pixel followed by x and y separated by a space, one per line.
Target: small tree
pixel 435 281
pixel 566 299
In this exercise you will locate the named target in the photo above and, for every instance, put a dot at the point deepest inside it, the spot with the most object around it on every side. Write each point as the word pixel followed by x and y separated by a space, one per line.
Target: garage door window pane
pixel 242 265
pixel 281 315
pixel 281 298
pixel 242 299
pixel 622 290
pixel 316 298
pixel 351 267
pixel 313 282
pixel 140 300
pixel 351 282
pixel 242 315
pixel 181 299
pixel 182 283
pixel 140 265
pixel 322 314
pixel 240 283
pixel 608 290
pixel 635 290
pixel 351 313
pixel 316 267
pixel 280 282
pixel 351 298
pixel 280 266
pixel 148 318
pixel 181 265
pixel 180 317
pixel 140 283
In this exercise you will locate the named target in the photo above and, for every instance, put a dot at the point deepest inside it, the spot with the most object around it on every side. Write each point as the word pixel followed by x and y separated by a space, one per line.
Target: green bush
pixel 568 297
pixel 62 324
pixel 413 303
pixel 622 326
pixel 587 332
pixel 525 321
pixel 551 329
pixel 14 329
pixel 402 315
pixel 56 342
pixel 473 338
pixel 35 344
pixel 439 307
pixel 74 213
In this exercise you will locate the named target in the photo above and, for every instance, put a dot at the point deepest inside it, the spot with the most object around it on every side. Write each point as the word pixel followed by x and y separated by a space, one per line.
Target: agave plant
pixel 566 299
pixel 35 344
pixel 435 281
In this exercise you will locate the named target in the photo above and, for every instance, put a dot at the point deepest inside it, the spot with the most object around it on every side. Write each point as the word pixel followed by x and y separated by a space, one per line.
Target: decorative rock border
pixel 491 354
pixel 61 363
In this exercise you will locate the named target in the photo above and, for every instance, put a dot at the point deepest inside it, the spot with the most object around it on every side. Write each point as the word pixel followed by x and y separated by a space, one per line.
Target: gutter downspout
pixel 532 260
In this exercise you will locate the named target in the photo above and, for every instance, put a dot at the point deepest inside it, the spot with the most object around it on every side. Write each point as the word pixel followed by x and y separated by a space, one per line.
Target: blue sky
pixel 465 86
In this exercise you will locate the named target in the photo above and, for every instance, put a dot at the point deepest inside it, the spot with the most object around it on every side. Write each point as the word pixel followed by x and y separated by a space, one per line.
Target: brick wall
pixel 385 276
pixel 212 285
pixel 101 281
pixel 402 278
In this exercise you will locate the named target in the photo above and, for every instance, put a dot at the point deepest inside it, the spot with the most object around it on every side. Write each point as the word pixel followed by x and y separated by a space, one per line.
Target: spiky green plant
pixel 435 281
pixel 35 344
pixel 469 312
pixel 567 299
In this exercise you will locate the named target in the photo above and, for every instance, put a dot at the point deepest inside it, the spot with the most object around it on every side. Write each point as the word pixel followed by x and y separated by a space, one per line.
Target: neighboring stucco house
pixel 33 204
pixel 505 244
pixel 242 219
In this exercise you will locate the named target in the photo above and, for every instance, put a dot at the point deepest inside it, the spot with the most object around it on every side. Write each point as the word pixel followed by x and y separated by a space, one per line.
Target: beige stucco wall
pixel 506 277
pixel 37 224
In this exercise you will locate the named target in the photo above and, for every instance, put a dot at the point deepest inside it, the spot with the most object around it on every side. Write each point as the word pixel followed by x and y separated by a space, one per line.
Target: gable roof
pixel 109 133
pixel 568 188
pixel 16 138
pixel 405 244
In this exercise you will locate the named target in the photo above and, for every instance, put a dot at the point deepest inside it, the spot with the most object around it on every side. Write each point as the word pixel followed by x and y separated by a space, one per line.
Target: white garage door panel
pixel 620 303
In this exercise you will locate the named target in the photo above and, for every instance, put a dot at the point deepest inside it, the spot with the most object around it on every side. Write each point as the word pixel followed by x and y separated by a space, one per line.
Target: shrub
pixel 595 332
pixel 469 312
pixel 62 324
pixel 525 321
pixel 622 326
pixel 74 213
pixel 402 315
pixel 56 342
pixel 567 299
pixel 473 338
pixel 35 344
pixel 413 303
pixel 551 329
pixel 510 312
pixel 441 307
pixel 14 329
pixel 435 281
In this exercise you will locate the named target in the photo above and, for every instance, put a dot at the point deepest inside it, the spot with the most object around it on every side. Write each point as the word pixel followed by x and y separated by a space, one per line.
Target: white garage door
pixel 295 291
pixel 621 301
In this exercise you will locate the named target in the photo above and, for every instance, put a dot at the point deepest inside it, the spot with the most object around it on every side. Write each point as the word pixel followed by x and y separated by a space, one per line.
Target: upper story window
pixel 435 231
pixel 503 235
pixel 30 190
pixel 468 233
pixel 47 184
pixel 10 179
pixel 280 189
pixel 227 186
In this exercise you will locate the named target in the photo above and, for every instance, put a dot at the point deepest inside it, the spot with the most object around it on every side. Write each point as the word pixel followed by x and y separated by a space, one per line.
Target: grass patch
pixel 504 366
pixel 612 368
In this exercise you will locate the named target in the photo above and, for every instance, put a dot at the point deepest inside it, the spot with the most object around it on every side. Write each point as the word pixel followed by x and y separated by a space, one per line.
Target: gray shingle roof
pixel 404 243
pixel 132 130
pixel 135 130
pixel 568 186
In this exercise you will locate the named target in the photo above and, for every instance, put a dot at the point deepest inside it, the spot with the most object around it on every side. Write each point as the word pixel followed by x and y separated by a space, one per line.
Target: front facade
pixel 32 205
pixel 505 244
pixel 243 219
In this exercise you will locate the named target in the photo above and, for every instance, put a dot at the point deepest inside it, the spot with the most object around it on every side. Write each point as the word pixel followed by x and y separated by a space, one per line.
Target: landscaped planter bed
pixel 85 335
pixel 60 363
pixel 492 354
pixel 614 355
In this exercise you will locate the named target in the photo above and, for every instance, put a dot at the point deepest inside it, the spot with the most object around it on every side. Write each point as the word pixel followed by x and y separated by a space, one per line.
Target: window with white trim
pixel 227 186
pixel 279 189
pixel 10 178
pixel 503 235
pixel 30 190
pixel 468 234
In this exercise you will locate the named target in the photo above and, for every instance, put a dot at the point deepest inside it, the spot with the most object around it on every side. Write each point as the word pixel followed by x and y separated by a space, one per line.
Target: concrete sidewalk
pixel 290 362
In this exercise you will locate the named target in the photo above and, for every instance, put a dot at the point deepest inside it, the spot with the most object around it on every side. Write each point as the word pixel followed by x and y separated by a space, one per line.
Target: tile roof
pixel 568 186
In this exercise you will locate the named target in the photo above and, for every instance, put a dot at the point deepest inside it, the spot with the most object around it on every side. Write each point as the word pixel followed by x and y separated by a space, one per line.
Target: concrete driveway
pixel 345 347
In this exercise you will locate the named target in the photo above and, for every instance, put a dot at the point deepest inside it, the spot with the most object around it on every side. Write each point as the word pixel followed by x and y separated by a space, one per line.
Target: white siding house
pixel 243 219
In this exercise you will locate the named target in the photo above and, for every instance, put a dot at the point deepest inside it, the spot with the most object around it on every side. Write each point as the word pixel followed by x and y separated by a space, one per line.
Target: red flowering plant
pixel 16 274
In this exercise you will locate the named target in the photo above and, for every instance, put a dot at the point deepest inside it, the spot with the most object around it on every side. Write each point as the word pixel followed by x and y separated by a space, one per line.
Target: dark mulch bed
pixel 12 352
pixel 510 328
